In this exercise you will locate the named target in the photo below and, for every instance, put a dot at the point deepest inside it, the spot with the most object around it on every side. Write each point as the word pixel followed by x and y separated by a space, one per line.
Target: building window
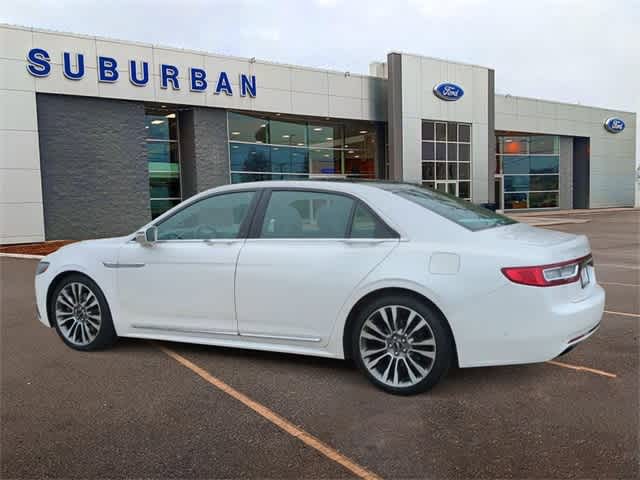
pixel 163 156
pixel 273 147
pixel 446 157
pixel 529 166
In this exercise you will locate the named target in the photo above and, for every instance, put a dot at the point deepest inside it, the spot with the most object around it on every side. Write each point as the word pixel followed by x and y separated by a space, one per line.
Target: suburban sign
pixel 614 124
pixel 448 91
pixel 108 71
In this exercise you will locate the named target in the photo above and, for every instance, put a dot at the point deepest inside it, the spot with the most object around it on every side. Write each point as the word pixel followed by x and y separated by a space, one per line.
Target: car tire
pixel 80 314
pixel 403 345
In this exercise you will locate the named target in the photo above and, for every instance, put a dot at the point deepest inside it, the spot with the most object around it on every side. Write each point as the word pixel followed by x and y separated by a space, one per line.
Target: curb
pixel 20 255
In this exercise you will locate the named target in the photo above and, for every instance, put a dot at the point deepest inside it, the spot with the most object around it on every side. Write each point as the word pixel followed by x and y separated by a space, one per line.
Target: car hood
pixel 101 247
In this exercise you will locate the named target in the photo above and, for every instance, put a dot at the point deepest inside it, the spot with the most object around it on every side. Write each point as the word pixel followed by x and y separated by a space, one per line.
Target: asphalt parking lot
pixel 135 411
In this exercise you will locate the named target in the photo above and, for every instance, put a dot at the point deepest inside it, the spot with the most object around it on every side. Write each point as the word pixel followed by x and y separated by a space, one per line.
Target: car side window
pixel 219 216
pixel 367 225
pixel 306 214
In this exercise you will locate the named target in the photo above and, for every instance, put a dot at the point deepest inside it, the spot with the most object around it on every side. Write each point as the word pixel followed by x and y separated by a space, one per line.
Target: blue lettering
pixel 169 73
pixel 39 65
pixel 223 84
pixel 133 73
pixel 107 69
pixel 67 66
pixel 247 84
pixel 198 82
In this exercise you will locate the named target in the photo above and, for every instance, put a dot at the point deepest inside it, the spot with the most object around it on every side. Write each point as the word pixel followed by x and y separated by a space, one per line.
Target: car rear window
pixel 462 212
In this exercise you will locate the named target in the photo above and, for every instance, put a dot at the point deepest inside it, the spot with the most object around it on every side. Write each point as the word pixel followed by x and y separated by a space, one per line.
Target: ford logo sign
pixel 448 91
pixel 614 124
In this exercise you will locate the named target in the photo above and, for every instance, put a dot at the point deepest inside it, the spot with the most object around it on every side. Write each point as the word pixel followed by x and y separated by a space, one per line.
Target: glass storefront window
pixel 428 131
pixel 515 201
pixel 245 128
pixel 530 167
pixel 250 157
pixel 464 152
pixel 325 136
pixel 516 164
pixel 288 133
pixel 464 133
pixel 543 199
pixel 297 149
pixel 544 164
pixel 162 152
pixel 289 160
pixel 163 158
pixel 513 145
pixel 161 126
pixel 446 157
pixel 464 171
pixel 516 183
pixel 428 151
pixel 544 144
pixel 159 206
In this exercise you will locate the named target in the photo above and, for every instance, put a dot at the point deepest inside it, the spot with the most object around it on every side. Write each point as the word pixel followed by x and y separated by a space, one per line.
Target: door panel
pixel 185 285
pixel 185 281
pixel 296 287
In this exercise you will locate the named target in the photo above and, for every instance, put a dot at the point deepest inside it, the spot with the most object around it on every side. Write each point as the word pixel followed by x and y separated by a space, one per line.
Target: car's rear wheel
pixel 402 344
pixel 81 315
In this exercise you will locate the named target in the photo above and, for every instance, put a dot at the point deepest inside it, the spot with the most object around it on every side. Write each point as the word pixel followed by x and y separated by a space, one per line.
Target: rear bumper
pixel 531 327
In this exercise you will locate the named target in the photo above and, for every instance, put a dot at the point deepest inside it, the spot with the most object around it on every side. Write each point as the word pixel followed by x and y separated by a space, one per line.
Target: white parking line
pixel 637 285
pixel 583 369
pixel 274 418
pixel 617 265
pixel 624 314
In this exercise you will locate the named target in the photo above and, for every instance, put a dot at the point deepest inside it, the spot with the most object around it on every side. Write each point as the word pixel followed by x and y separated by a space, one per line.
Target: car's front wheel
pixel 81 315
pixel 403 345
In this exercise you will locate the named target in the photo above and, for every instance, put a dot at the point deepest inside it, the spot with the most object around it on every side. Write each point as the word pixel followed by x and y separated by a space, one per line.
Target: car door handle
pixel 213 242
pixel 364 242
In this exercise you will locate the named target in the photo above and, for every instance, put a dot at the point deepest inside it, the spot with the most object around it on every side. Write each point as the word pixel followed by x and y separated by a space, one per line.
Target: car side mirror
pixel 147 237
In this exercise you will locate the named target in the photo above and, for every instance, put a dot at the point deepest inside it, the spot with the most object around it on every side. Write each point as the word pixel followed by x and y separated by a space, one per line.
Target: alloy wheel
pixel 77 313
pixel 397 346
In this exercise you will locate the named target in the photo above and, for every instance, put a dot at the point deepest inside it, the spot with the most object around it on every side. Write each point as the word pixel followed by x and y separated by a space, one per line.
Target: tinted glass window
pixel 288 133
pixel 163 157
pixel 219 216
pixel 303 214
pixel 161 126
pixel 245 128
pixel 539 144
pixel 367 225
pixel 458 211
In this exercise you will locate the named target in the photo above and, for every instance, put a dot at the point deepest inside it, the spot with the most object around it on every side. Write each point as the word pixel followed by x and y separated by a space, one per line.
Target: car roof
pixel 341 185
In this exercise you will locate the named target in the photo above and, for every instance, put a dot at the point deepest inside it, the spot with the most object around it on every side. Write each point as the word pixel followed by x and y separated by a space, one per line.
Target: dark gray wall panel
pixel 491 109
pixel 205 149
pixel 95 180
pixel 394 115
pixel 580 172
pixel 188 169
pixel 566 173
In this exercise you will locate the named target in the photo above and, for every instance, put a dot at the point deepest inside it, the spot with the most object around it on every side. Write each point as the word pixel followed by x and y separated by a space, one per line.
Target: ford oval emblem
pixel 614 124
pixel 448 91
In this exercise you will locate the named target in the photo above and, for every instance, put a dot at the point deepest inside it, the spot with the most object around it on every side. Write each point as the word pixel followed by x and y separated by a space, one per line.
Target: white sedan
pixel 404 280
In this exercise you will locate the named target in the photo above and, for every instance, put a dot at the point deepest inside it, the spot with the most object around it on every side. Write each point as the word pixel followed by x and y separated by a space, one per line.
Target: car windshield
pixel 462 212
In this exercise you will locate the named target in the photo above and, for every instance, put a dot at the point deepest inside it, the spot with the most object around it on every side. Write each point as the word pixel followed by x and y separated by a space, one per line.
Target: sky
pixel 579 51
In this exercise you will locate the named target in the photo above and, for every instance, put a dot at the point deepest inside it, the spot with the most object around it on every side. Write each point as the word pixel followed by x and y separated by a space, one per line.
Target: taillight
pixel 548 275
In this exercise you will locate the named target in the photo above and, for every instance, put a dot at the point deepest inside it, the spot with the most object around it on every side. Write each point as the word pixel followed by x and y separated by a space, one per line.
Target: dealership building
pixel 98 136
